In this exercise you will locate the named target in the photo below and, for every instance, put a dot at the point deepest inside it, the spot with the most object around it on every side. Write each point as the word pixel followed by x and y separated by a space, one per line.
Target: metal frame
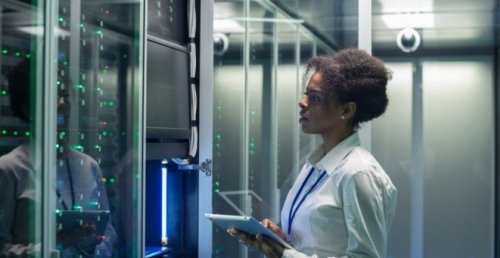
pixel 206 91
pixel 47 99
pixel 365 43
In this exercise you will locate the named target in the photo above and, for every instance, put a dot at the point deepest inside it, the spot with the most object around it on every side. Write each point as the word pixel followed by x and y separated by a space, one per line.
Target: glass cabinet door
pixel 97 77
pixel 71 128
pixel 21 177
pixel 258 148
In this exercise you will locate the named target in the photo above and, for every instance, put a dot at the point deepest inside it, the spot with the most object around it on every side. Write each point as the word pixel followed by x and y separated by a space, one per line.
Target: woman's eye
pixel 313 97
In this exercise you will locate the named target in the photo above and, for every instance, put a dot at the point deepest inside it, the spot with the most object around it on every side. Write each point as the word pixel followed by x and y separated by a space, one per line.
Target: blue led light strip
pixel 164 171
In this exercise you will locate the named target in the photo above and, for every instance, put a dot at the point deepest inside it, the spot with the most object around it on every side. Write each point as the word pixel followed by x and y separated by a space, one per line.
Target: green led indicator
pixel 79 86
pixel 93 203
pixel 98 32
pixel 15 133
pixel 5 51
pixel 252 152
pixel 217 146
pixel 78 147
pixel 28 55
pixel 27 133
pixel 4 132
pixel 60 19
pixel 3 92
pixel 252 145
pixel 216 190
pixel 107 103
pixel 82 25
pixel 105 71
pixel 65 62
pixel 77 207
pixel 58 211
pixel 18 54
pixel 104 133
pixel 112 181
pixel 217 183
pixel 218 136
pixel 138 175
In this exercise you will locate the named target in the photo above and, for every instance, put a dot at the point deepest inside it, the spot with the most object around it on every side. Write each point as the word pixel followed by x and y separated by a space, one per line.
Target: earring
pixel 342 117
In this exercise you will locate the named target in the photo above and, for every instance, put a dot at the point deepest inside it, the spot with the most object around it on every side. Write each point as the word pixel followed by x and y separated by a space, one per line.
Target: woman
pixel 342 203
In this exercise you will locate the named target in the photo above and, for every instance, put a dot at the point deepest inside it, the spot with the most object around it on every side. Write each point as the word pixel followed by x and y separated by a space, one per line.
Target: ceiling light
pixel 409 20
pixel 227 26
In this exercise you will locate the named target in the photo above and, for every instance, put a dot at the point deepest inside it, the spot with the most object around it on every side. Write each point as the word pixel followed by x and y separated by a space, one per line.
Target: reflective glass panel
pixel 453 188
pixel 258 148
pixel 98 83
pixel 21 177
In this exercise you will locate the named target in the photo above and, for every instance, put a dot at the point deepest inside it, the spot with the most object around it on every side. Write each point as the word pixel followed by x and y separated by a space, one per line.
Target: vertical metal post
pixel 417 165
pixel 206 124
pixel 298 95
pixel 273 161
pixel 246 120
pixel 365 43
pixel 141 128
pixel 75 44
pixel 46 120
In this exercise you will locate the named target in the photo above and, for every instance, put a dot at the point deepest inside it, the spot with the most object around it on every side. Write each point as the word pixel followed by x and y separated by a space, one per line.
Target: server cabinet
pixel 171 129
pixel 72 127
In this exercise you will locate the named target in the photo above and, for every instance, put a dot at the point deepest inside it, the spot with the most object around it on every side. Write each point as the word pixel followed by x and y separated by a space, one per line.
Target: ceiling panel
pixel 458 25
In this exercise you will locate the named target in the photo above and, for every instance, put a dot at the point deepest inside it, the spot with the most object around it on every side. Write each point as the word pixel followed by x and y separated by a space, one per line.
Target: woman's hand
pixel 267 223
pixel 268 247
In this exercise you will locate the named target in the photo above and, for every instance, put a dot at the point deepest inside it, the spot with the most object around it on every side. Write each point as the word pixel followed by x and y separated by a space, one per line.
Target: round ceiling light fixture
pixel 408 40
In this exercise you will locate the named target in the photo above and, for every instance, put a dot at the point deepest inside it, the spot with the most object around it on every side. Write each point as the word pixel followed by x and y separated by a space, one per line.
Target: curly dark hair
pixel 352 75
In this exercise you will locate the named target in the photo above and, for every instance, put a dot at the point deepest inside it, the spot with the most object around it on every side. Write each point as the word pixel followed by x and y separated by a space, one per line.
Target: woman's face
pixel 315 116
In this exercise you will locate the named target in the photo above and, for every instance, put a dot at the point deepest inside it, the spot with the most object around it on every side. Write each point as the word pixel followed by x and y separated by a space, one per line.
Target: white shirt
pixel 348 213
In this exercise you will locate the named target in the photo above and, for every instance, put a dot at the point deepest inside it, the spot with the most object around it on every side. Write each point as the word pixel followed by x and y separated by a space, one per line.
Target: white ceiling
pixel 458 24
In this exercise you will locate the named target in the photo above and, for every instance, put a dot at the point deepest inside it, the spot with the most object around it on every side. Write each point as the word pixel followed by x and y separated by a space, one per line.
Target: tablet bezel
pixel 244 223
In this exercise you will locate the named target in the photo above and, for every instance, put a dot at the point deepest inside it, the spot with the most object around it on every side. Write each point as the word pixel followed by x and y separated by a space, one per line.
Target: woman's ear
pixel 349 110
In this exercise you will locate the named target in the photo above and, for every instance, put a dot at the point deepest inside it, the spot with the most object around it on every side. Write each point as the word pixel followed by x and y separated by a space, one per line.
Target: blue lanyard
pixel 291 214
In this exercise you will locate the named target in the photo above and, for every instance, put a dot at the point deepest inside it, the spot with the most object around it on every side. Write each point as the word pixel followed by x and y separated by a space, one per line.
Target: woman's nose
pixel 303 102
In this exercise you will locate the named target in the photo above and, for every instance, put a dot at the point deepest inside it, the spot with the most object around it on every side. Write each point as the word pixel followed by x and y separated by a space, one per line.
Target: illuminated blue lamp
pixel 164 171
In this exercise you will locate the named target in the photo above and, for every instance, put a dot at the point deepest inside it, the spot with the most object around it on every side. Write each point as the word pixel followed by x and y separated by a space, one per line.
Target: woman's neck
pixel 332 139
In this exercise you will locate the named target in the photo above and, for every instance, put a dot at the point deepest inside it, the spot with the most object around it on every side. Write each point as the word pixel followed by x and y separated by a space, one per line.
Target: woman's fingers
pixel 274 228
pixel 243 237
pixel 270 248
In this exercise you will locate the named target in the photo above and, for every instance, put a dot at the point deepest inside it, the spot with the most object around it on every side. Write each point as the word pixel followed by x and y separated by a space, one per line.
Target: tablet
pixel 69 219
pixel 244 223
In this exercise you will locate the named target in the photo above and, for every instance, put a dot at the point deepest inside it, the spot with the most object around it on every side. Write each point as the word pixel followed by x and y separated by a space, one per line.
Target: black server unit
pixel 168 131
